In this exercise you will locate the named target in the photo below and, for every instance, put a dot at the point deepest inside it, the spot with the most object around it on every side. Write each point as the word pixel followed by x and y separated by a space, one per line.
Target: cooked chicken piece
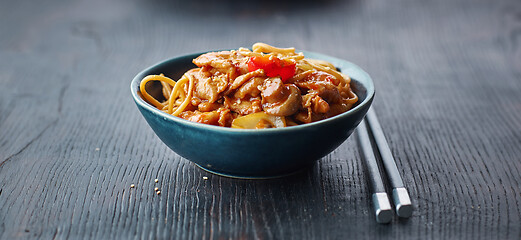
pixel 240 80
pixel 220 117
pixel 225 117
pixel 314 108
pixel 243 107
pixel 250 88
pixel 208 106
pixel 335 109
pixel 208 88
pixel 231 63
pixel 322 84
pixel 319 105
pixel 214 59
pixel 211 118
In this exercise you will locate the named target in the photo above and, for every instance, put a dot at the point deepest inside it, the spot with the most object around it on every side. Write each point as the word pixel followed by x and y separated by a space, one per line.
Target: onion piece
pixel 259 120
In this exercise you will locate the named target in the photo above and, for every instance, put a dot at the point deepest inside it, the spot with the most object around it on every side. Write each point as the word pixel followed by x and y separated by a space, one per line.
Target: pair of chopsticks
pixel 402 202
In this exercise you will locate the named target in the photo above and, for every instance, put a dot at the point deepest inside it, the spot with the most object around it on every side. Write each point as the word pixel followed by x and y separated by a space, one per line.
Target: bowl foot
pixel 253 177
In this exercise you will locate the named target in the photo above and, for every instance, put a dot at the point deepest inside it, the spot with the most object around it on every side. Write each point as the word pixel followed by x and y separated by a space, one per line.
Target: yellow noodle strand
pixel 263 47
pixel 187 98
pixel 335 73
pixel 167 89
pixel 148 97
pixel 175 92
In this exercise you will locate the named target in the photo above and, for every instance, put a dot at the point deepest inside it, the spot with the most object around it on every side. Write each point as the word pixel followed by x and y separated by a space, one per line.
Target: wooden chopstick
pixel 400 195
pixel 381 204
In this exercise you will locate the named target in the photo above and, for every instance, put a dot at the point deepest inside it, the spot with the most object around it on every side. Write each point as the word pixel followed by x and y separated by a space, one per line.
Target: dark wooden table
pixel 448 80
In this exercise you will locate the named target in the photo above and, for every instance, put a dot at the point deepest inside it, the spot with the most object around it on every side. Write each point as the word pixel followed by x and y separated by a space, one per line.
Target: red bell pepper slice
pixel 273 66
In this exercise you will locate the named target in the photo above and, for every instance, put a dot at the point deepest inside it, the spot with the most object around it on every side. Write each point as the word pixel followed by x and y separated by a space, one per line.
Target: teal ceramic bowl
pixel 263 153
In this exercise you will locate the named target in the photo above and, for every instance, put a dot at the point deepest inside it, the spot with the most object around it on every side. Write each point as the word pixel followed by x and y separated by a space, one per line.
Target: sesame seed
pixel 156 180
pixel 158 192
pixel 132 185
pixel 156 189
pixel 97 149
pixel 205 177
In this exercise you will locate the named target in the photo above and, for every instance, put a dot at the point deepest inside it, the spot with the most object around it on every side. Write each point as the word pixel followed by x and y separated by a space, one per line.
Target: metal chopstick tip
pixel 382 207
pixel 402 201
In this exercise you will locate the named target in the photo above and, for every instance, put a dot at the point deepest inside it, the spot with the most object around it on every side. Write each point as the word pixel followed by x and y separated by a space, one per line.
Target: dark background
pixel 448 83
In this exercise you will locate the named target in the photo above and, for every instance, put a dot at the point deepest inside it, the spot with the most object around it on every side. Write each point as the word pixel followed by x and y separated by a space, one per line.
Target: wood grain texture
pixel 448 80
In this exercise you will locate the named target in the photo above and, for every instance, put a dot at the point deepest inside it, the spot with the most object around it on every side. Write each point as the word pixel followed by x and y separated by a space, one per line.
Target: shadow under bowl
pixel 252 153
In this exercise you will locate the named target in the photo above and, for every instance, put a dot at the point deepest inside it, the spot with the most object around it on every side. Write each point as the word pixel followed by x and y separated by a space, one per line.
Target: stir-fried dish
pixel 265 87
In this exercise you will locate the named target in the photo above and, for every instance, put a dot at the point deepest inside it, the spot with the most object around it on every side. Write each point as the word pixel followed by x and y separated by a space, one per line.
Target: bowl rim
pixel 362 77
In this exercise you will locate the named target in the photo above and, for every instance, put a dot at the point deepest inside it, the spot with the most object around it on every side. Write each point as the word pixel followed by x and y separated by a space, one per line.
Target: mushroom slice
pixel 280 99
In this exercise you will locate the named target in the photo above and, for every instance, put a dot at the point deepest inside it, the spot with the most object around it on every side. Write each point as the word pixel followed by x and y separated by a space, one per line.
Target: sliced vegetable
pixel 259 120
pixel 273 66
